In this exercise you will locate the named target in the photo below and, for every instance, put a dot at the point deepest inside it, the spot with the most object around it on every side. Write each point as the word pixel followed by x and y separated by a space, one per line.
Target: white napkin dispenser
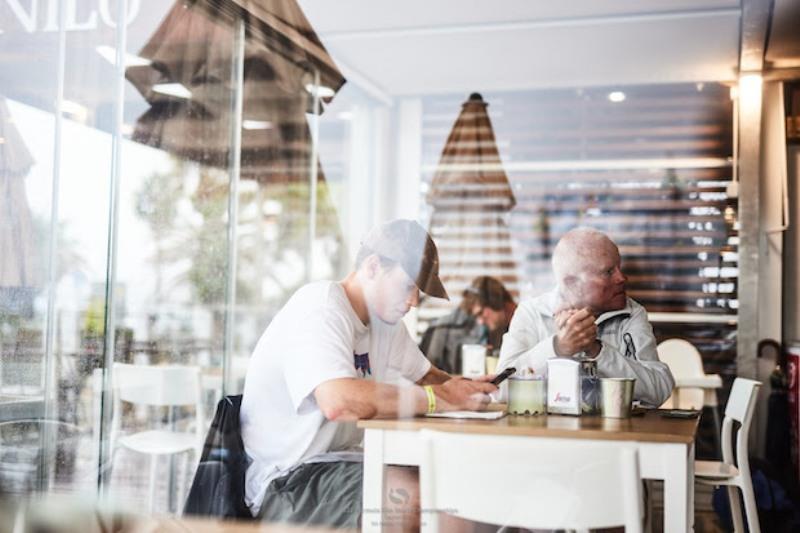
pixel 563 386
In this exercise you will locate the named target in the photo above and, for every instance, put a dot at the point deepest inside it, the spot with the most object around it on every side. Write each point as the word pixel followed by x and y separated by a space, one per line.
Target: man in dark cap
pixel 324 362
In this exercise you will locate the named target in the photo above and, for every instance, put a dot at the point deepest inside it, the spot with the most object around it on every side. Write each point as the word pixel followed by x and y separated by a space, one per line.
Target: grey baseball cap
pixel 408 244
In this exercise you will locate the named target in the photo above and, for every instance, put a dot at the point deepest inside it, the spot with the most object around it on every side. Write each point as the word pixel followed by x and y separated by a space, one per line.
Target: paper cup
pixel 473 360
pixel 616 396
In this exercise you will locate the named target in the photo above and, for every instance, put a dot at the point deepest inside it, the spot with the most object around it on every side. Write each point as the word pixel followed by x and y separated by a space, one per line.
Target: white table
pixel 666 452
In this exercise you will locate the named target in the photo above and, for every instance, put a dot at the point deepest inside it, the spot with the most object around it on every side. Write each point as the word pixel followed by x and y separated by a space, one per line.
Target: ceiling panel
pixel 447 46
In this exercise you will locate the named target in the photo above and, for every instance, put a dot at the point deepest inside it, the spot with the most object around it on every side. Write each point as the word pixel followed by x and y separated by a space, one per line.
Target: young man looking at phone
pixel 325 361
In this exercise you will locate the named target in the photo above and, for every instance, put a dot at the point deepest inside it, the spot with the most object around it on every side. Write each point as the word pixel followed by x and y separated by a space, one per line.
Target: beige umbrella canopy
pixel 18 277
pixel 470 166
pixel 471 197
pixel 194 47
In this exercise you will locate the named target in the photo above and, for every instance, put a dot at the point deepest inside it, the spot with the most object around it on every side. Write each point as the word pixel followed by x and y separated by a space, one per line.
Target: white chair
pixel 158 386
pixel 694 389
pixel 734 470
pixel 529 482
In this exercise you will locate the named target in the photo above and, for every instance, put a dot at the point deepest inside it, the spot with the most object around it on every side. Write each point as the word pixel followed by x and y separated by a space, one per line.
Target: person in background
pixel 482 317
pixel 588 313
pixel 323 363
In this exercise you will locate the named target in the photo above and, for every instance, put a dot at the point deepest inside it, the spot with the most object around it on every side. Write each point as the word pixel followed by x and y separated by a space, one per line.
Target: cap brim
pixel 434 287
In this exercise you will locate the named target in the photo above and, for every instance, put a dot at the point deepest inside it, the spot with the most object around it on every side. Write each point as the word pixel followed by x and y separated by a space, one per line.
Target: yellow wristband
pixel 431 398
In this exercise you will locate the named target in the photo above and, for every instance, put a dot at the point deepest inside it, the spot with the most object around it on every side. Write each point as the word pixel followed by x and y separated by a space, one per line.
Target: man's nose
pixel 621 277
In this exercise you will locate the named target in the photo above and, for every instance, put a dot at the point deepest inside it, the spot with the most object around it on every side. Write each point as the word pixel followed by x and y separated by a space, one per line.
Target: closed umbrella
pixel 471 197
pixel 18 277
pixel 188 85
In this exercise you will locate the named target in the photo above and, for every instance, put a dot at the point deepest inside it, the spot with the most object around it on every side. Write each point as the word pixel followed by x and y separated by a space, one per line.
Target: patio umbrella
pixel 471 197
pixel 17 273
pixel 194 47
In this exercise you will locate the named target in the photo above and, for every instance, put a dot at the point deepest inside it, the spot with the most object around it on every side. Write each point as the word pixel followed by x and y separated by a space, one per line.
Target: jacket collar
pixel 549 302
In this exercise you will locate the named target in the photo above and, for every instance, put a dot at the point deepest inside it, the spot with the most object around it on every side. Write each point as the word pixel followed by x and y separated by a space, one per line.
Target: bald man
pixel 588 313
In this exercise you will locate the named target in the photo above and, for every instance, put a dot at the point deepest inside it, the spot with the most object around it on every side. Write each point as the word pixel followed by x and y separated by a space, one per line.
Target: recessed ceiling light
pixel 110 54
pixel 75 110
pixel 616 96
pixel 321 90
pixel 172 89
pixel 256 124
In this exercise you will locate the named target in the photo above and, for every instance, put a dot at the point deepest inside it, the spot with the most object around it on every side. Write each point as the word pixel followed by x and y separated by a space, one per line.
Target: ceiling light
pixel 320 90
pixel 616 96
pixel 172 89
pixel 345 115
pixel 256 124
pixel 75 110
pixel 750 87
pixel 2 140
pixel 110 54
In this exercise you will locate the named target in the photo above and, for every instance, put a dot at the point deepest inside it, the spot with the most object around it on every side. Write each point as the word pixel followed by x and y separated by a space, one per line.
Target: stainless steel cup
pixel 616 397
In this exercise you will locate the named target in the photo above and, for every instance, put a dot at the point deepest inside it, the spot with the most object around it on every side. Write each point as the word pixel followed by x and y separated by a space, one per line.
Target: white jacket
pixel 629 347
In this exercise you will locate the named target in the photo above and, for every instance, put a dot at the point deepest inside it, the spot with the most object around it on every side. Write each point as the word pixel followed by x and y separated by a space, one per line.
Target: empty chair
pixel 158 386
pixel 530 482
pixel 686 364
pixel 734 469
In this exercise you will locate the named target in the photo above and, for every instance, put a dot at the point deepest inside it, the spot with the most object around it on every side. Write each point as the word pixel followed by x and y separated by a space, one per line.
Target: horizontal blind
pixel 651 171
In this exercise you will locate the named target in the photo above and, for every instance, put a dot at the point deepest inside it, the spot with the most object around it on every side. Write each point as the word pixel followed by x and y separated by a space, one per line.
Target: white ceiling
pixel 434 46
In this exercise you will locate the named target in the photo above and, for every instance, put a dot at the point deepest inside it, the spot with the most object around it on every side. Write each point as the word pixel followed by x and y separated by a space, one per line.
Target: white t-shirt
pixel 316 337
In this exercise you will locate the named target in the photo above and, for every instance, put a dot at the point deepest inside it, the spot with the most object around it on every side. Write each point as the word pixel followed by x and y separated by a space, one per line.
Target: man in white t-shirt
pixel 325 361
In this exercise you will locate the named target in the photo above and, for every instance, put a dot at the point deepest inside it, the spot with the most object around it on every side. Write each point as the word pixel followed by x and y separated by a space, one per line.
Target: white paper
pixel 482 415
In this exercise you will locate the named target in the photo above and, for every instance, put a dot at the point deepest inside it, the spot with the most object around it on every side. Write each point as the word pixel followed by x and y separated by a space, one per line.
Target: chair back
pixel 740 408
pixel 218 488
pixel 530 483
pixel 159 386
pixel 684 361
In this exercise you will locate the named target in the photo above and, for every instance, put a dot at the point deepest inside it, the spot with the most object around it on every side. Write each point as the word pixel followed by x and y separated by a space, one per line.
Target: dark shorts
pixel 323 494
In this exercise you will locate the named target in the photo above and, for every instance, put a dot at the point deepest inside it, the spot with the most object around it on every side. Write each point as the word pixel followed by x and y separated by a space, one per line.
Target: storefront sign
pixel 42 15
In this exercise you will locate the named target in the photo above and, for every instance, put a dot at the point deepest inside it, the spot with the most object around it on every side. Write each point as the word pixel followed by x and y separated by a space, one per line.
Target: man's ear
pixel 372 265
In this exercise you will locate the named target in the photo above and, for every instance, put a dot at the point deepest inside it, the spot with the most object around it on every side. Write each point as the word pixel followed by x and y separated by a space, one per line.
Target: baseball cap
pixel 407 243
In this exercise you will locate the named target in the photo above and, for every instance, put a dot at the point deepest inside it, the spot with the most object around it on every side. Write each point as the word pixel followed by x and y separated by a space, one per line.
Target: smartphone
pixel 680 413
pixel 502 376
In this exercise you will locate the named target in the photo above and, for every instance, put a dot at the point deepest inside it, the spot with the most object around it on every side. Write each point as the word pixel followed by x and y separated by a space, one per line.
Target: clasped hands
pixel 576 332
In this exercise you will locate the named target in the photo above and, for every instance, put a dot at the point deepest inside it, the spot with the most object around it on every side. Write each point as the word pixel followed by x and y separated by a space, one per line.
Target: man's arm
pixel 352 399
pixel 528 343
pixel 434 376
pixel 654 381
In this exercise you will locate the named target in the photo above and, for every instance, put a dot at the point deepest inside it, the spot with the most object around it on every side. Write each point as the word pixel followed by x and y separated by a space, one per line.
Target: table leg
pixel 679 488
pixel 372 513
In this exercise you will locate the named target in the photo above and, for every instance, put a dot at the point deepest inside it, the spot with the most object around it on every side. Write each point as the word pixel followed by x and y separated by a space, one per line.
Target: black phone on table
pixel 680 413
pixel 502 376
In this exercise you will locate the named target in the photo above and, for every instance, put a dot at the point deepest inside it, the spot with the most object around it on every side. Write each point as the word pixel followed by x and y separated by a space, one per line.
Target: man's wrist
pixel 431 397
pixel 596 348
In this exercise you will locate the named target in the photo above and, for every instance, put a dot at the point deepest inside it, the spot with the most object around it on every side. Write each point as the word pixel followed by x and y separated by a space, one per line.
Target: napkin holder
pixel 563 386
